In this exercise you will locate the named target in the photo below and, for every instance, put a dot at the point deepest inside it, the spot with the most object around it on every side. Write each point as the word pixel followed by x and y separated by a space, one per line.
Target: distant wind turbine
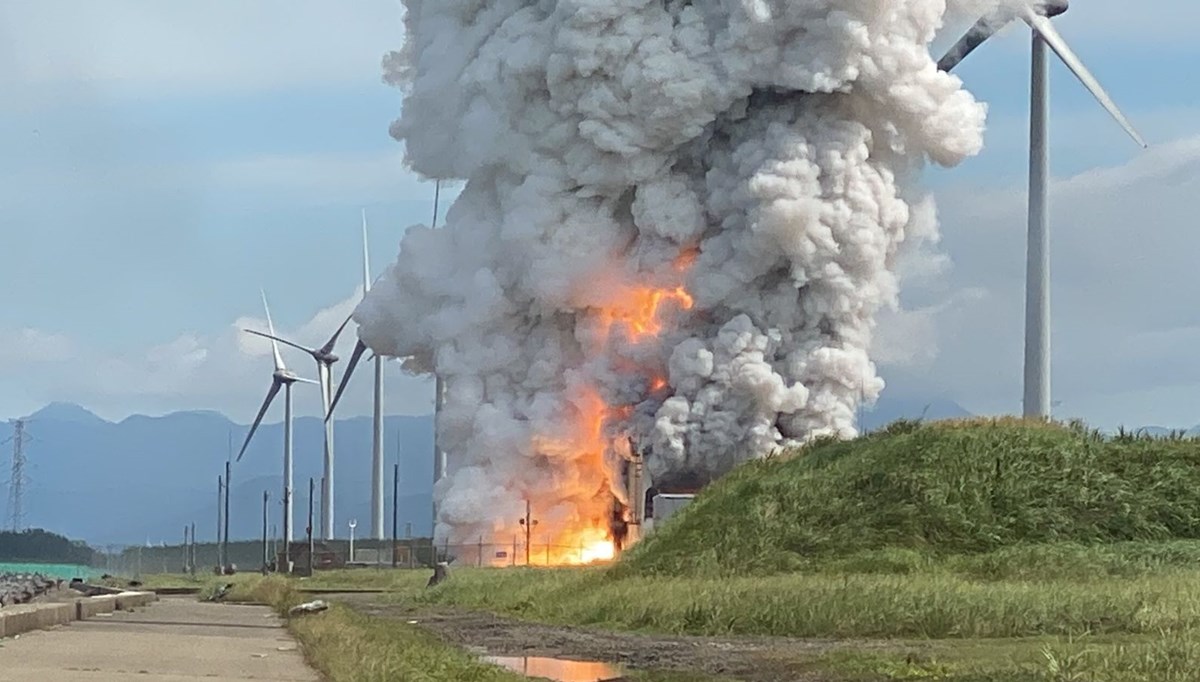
pixel 1037 282
pixel 439 456
pixel 377 482
pixel 282 377
pixel 325 359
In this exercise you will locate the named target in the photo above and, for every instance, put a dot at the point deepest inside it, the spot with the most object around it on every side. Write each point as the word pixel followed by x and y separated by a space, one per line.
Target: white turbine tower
pixel 439 456
pixel 1037 279
pixel 377 413
pixel 282 377
pixel 325 360
pixel 377 530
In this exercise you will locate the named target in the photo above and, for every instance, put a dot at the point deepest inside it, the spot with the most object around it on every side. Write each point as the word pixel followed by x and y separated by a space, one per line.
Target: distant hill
pixel 144 478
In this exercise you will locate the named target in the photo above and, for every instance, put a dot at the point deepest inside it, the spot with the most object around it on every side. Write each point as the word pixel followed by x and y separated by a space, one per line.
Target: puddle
pixel 558 669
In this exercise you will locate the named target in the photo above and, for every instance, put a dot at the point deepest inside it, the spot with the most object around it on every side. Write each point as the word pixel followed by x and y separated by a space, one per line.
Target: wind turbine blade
pixel 366 256
pixel 306 349
pixel 1045 28
pixel 306 381
pixel 271 326
pixel 328 347
pixel 324 379
pixel 987 26
pixel 258 420
pixel 359 349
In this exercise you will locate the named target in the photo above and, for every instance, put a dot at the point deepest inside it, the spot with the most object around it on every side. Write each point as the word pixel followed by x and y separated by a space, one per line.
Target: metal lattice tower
pixel 17 479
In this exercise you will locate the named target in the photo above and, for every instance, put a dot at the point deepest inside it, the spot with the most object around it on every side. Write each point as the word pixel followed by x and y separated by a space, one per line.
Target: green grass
pixel 998 551
pixel 948 488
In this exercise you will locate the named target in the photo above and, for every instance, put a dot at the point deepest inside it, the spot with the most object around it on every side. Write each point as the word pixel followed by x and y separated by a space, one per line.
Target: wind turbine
pixel 377 531
pixel 1037 15
pixel 281 378
pixel 439 455
pixel 325 359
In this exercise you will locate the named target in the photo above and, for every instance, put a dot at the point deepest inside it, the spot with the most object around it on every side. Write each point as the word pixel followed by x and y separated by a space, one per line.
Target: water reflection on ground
pixel 558 669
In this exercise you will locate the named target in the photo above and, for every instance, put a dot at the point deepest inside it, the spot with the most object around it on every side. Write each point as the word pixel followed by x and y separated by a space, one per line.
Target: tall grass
pixel 952 487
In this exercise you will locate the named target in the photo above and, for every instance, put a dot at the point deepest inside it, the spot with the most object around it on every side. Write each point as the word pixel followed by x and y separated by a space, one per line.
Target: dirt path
pixel 751 659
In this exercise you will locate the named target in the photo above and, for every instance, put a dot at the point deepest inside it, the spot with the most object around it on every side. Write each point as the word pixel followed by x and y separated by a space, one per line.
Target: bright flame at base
pixel 602 550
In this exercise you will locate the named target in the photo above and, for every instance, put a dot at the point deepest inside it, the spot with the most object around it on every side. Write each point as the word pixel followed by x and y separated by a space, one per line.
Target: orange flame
pixel 640 310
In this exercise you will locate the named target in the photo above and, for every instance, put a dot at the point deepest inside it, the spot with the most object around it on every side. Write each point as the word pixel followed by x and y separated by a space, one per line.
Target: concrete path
pixel 174 639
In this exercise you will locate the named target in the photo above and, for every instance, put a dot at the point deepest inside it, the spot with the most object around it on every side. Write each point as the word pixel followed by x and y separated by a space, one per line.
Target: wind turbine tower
pixel 1037 15
pixel 377 531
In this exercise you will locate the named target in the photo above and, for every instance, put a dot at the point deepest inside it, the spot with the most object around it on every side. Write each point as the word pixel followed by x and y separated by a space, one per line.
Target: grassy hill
pixel 957 487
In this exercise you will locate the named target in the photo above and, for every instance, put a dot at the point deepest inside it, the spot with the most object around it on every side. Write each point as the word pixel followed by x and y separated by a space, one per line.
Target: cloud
pixel 1125 303
pixel 228 371
pixel 193 47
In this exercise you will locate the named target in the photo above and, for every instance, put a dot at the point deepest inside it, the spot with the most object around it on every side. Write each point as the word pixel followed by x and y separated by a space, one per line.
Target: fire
pixel 643 311
pixel 601 550
pixel 641 308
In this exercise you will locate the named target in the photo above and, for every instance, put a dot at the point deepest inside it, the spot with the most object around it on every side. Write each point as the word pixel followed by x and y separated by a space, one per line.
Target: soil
pixel 749 659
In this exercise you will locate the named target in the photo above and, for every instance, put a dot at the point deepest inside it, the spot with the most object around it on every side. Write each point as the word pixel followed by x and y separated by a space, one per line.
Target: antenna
pixel 17 480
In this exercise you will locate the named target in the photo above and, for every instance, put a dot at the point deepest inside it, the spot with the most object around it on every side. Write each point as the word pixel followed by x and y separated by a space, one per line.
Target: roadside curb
pixel 17 620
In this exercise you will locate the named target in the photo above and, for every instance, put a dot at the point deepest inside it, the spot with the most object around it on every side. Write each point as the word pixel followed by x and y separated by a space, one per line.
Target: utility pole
pixel 529 523
pixel 228 486
pixel 193 549
pixel 311 548
pixel 395 511
pixel 187 552
pixel 265 554
pixel 220 517
pixel 17 480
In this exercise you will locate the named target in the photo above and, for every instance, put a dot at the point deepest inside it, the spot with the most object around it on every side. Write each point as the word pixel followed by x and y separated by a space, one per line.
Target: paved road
pixel 174 639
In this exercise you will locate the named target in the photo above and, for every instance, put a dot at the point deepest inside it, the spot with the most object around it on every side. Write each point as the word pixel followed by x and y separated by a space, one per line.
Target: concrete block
pixel 17 620
pixel 130 600
pixel 89 607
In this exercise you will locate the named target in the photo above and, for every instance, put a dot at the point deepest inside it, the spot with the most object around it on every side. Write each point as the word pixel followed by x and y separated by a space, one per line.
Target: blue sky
pixel 159 162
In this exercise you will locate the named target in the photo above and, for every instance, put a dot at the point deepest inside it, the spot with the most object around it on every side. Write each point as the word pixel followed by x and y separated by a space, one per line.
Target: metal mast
pixel 17 480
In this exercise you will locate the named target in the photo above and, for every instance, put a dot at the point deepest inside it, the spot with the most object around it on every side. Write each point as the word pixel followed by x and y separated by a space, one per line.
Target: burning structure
pixel 680 218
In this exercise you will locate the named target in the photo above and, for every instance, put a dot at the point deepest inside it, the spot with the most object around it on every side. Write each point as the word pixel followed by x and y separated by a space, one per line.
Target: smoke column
pixel 679 221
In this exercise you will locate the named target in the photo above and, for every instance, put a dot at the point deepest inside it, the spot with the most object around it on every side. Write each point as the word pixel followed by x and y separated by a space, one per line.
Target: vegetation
pixel 961 487
pixel 998 551
pixel 346 646
pixel 39 546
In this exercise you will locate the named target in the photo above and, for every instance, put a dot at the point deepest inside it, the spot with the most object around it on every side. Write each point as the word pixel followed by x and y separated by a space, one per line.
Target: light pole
pixel 352 524
pixel 266 555
pixel 528 523
pixel 395 498
pixel 225 538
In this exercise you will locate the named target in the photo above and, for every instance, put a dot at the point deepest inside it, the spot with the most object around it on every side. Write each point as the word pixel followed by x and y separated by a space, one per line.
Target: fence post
pixel 480 551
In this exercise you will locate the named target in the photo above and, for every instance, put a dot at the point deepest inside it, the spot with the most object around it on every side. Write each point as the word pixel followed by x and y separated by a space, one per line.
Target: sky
pixel 162 162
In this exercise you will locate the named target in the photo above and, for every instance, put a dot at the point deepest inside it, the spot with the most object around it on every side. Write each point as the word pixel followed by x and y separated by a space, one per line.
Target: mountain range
pixel 143 478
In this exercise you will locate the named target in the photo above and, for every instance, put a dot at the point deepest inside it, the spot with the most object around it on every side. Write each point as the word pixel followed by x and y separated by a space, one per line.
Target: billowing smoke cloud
pixel 680 219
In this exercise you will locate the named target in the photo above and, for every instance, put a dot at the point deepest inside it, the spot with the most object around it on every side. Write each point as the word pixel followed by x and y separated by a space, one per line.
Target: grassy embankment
pixel 999 551
pixel 1028 551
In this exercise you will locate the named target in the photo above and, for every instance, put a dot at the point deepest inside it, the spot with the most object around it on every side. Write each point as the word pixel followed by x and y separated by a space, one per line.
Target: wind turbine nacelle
pixel 1051 8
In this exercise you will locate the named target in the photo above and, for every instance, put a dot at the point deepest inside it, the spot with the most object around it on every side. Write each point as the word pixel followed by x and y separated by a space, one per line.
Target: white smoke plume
pixel 679 221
